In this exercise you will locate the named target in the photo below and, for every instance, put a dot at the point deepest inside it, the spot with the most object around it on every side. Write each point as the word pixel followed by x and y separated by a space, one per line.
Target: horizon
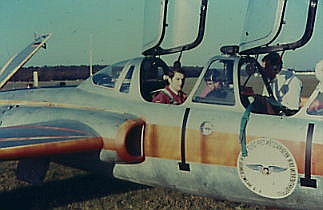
pixel 104 65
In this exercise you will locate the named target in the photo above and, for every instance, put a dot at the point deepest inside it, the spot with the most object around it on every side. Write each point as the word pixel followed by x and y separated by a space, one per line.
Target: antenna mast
pixel 91 53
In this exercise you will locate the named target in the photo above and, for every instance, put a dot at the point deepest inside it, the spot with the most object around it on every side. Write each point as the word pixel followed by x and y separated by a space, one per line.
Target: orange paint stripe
pixel 162 141
pixel 109 144
pixel 217 148
pixel 52 148
pixel 37 138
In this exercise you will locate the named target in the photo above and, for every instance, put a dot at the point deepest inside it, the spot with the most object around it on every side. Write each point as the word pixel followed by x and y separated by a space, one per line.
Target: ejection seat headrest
pixel 319 73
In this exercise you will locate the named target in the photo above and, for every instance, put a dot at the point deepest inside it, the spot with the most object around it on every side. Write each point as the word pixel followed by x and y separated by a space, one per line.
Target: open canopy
pixel 173 26
pixel 277 25
pixel 17 61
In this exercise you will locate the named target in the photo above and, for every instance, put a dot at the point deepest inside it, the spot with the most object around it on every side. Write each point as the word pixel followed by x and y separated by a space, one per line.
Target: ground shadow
pixel 62 192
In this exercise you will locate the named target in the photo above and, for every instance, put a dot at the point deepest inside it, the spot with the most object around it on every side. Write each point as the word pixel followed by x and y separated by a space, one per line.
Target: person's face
pixel 213 85
pixel 210 84
pixel 177 82
pixel 269 71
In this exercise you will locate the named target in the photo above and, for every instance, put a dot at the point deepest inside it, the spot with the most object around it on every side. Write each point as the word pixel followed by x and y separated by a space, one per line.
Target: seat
pixel 151 77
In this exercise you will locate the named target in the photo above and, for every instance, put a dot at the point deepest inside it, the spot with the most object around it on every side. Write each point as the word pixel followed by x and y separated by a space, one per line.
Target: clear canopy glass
pixel 181 23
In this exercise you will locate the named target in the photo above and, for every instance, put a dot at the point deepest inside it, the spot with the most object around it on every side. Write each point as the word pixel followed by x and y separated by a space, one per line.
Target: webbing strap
pixel 167 93
pixel 243 125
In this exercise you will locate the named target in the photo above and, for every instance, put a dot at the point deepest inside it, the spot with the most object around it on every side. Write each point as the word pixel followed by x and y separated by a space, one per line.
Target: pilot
pixel 285 85
pixel 172 93
pixel 214 85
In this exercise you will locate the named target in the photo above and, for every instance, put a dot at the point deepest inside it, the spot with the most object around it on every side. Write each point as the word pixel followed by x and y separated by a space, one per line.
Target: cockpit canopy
pixel 277 25
pixel 173 26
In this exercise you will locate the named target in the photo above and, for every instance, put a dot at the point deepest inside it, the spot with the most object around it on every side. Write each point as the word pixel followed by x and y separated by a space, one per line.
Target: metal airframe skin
pixel 211 158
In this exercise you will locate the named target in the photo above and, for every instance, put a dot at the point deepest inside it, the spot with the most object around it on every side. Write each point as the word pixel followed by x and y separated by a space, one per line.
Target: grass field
pixel 67 188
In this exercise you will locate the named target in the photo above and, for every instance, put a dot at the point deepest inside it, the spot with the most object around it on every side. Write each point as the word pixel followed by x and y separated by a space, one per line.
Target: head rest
pixel 319 73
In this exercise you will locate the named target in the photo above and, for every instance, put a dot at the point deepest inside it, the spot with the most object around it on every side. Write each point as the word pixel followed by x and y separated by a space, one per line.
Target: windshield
pixel 109 76
pixel 217 84
pixel 316 107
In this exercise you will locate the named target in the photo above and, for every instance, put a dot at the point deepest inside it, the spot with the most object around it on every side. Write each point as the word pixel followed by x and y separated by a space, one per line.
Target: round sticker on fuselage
pixel 269 170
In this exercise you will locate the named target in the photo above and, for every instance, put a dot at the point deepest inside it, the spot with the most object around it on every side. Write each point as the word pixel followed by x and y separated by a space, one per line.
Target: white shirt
pixel 286 89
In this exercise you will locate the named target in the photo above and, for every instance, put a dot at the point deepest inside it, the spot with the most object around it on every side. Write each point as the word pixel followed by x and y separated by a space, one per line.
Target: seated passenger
pixel 172 93
pixel 316 107
pixel 286 87
pixel 214 86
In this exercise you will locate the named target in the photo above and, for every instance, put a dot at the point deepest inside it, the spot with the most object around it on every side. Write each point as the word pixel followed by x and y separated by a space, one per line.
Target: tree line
pixel 52 73
pixel 61 73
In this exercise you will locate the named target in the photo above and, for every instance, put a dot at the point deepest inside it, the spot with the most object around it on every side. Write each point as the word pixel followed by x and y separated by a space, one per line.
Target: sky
pixel 116 29
pixel 114 25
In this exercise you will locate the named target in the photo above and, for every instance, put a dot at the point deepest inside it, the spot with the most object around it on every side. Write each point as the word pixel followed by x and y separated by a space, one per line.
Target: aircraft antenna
pixel 91 53
pixel 180 55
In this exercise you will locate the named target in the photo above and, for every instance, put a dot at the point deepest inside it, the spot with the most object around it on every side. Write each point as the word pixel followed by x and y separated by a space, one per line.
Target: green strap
pixel 243 125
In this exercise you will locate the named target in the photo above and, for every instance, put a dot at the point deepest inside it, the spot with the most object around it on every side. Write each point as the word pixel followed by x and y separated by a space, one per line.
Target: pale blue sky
pixel 115 25
pixel 117 30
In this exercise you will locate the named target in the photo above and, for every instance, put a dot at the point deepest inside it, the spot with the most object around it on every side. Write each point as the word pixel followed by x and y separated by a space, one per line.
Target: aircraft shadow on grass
pixel 63 192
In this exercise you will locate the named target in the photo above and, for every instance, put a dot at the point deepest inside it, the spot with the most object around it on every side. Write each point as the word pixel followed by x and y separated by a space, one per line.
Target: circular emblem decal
pixel 269 170
pixel 206 128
